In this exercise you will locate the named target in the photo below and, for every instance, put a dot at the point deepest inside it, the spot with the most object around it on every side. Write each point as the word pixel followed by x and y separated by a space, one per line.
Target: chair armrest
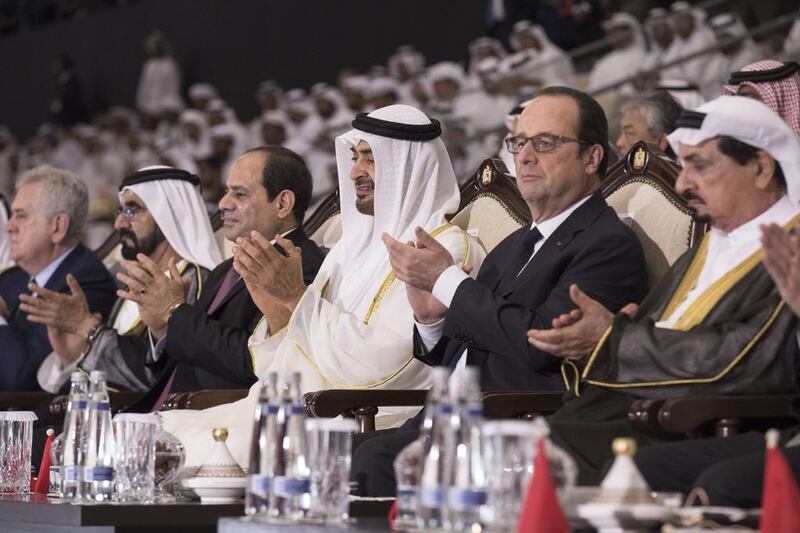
pixel 119 400
pixel 203 399
pixel 22 400
pixel 521 404
pixel 690 413
pixel 361 404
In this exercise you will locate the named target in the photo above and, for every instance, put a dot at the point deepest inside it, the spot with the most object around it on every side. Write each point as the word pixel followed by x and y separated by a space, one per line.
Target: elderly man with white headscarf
pixel 737 50
pixel 456 98
pixel 351 328
pixel 716 323
pixel 162 216
pixel 693 36
pixel 628 55
pixel 545 62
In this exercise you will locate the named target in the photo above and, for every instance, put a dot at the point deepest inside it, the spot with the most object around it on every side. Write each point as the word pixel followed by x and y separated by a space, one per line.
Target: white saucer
pixel 618 517
pixel 217 489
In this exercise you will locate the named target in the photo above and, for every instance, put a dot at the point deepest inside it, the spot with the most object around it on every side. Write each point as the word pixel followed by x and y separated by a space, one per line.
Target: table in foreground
pixel 368 515
pixel 35 513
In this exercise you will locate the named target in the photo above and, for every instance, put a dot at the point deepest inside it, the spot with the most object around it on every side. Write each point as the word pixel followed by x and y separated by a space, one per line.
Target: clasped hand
pixel 575 334
pixel 269 275
pixel 152 289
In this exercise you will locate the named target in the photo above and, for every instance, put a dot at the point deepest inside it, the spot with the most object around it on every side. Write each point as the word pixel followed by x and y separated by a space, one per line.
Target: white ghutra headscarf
pixel 414 186
pixel 173 198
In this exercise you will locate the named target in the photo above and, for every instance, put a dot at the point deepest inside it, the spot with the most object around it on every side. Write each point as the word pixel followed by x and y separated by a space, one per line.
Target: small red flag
pixel 392 514
pixel 780 500
pixel 541 511
pixel 42 482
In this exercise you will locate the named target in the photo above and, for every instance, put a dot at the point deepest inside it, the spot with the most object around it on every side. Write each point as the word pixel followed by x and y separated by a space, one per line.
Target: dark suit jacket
pixel 23 344
pixel 210 351
pixel 591 248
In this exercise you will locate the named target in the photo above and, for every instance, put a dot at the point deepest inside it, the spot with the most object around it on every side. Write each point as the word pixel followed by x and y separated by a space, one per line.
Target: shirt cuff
pixel 445 287
pixel 430 333
pixel 156 349
pixel 3 321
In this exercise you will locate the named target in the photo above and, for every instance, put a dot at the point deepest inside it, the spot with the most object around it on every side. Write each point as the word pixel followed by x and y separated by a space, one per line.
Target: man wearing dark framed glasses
pixel 561 154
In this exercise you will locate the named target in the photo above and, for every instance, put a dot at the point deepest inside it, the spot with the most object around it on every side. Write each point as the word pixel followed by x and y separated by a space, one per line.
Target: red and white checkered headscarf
pixel 782 96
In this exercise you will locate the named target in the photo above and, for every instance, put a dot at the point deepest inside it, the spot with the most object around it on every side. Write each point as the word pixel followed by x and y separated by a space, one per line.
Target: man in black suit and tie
pixel 204 346
pixel 561 152
pixel 47 221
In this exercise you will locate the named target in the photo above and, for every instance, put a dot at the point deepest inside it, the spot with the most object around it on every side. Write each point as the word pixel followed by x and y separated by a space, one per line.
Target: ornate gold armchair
pixel 640 187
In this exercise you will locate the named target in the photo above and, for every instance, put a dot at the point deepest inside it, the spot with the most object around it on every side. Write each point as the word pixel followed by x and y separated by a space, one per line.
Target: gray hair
pixel 62 192
pixel 659 109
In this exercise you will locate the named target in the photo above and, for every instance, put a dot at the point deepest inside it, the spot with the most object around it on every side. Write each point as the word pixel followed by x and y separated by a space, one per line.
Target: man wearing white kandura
pixel 351 328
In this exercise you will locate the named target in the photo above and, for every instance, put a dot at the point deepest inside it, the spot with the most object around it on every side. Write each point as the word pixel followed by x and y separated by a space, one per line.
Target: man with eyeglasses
pixel 561 154
pixel 153 201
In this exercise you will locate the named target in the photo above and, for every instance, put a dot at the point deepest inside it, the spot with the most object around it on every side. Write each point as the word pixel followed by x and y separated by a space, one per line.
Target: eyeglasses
pixel 542 143
pixel 129 212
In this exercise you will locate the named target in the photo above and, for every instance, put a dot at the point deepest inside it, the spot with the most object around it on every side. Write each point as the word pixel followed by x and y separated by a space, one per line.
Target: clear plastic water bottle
pixel 262 448
pixel 98 472
pixel 466 495
pixel 291 483
pixel 75 437
pixel 436 464
pixel 407 472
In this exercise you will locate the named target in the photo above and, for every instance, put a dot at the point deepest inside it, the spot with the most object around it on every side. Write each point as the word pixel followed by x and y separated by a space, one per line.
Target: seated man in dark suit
pixel 48 217
pixel 204 346
pixel 561 150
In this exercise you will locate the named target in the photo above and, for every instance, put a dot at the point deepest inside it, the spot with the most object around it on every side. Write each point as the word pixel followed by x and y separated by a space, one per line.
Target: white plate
pixel 217 489
pixel 616 516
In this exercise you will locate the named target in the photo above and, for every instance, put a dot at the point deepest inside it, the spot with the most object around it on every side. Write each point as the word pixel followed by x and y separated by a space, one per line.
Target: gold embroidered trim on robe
pixel 760 333
pixel 387 282
pixel 699 309
pixel 344 385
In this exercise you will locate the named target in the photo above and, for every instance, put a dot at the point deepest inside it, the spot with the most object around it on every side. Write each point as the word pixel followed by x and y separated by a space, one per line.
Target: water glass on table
pixel 16 437
pixel 134 472
pixel 329 446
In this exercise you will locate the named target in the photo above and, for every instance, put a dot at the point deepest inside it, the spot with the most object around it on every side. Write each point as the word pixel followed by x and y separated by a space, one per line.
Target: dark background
pixel 233 44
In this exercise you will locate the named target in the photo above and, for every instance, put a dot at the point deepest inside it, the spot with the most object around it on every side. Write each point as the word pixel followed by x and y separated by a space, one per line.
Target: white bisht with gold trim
pixel 353 328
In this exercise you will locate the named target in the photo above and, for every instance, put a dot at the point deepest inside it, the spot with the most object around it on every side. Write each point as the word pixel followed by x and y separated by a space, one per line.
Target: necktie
pixel 521 258
pixel 16 310
pixel 224 290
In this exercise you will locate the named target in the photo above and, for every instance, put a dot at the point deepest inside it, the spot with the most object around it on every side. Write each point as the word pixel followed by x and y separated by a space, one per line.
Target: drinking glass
pixel 16 437
pixel 508 456
pixel 169 459
pixel 134 472
pixel 329 447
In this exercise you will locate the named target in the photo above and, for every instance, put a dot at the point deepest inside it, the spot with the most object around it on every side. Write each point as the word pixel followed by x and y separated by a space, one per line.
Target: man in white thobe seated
pixel 351 327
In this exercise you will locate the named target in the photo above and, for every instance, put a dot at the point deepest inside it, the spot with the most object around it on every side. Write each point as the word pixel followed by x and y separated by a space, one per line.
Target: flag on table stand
pixel 42 481
pixel 780 500
pixel 392 514
pixel 541 511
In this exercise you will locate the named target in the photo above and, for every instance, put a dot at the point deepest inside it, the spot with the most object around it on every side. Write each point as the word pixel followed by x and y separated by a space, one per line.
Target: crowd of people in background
pixel 200 132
